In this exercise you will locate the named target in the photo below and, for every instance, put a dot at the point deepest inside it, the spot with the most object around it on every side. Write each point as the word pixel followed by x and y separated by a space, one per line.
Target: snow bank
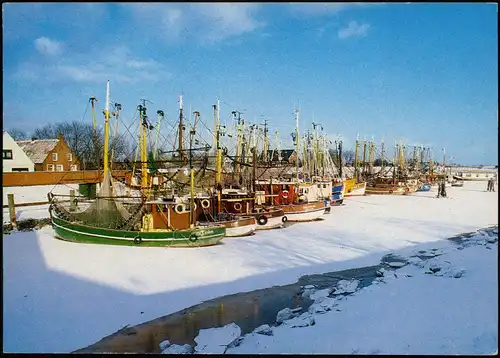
pixel 217 340
pixel 72 295
pixel 412 313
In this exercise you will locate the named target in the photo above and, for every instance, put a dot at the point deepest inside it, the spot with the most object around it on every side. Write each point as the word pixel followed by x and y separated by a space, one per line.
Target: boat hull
pixel 424 187
pixel 78 233
pixel 303 212
pixel 470 178
pixel 274 219
pixel 392 190
pixel 240 227
pixel 358 189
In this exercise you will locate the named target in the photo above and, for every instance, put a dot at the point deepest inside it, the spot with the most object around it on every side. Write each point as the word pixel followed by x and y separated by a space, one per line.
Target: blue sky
pixel 423 73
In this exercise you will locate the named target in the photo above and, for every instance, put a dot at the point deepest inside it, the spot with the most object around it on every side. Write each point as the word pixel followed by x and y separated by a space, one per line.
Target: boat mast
pixel 340 159
pixel 364 157
pixel 181 128
pixel 106 132
pixel 356 158
pixel 266 142
pixel 254 156
pixel 191 169
pixel 144 148
pixel 216 126
pixel 394 162
pixel 161 115
pixel 116 113
pixel 92 100
pixel 297 148
pixel 218 162
pixel 96 148
pixel 382 154
pixel 444 162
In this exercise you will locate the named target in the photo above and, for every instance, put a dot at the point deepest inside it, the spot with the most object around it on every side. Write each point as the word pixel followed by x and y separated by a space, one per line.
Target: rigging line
pixel 81 121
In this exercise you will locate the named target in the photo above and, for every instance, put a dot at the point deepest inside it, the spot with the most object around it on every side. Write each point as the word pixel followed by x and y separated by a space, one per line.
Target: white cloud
pixel 116 64
pixel 47 46
pixel 323 9
pixel 205 22
pixel 353 30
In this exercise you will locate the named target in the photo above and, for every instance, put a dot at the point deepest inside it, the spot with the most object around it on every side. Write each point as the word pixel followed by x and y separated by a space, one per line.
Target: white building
pixel 14 158
pixel 474 173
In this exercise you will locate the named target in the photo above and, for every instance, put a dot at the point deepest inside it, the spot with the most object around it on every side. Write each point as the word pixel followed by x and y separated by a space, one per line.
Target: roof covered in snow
pixel 38 149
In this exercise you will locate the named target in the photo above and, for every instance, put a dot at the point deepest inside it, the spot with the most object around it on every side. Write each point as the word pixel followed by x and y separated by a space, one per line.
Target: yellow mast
pixel 106 132
pixel 143 145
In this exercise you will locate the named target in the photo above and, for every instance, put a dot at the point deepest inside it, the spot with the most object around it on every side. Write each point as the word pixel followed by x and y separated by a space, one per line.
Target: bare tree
pixel 18 134
pixel 348 156
pixel 84 142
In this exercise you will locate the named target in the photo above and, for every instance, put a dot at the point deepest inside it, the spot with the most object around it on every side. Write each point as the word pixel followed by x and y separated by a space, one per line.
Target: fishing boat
pixel 236 224
pixel 293 197
pixel 240 202
pixel 352 188
pixel 337 194
pixel 129 220
pixel 424 187
pixel 457 183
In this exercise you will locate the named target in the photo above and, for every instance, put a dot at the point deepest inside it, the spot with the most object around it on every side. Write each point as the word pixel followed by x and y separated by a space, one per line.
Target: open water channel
pixel 248 310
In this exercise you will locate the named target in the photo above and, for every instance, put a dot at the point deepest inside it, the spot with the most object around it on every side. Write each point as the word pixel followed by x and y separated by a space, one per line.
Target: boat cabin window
pixel 324 186
pixel 468 175
pixel 487 175
pixel 477 175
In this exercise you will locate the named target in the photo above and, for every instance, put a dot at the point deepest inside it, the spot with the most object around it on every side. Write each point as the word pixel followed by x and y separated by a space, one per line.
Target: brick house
pixel 50 154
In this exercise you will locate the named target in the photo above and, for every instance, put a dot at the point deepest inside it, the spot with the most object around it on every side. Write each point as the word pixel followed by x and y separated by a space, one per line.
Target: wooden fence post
pixel 72 205
pixel 12 210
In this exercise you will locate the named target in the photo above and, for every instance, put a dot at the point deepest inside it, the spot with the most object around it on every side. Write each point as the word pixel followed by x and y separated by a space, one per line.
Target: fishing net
pixel 108 210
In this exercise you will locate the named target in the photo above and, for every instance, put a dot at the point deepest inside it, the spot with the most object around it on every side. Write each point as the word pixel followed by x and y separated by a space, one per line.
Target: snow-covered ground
pixel 61 296
pixel 33 194
pixel 453 310
pixel 38 193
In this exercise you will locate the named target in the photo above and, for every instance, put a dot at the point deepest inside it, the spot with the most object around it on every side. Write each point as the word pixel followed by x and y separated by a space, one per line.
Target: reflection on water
pixel 248 310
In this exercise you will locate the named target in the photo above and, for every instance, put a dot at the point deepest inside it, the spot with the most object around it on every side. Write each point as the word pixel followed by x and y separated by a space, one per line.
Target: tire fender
pixel 262 220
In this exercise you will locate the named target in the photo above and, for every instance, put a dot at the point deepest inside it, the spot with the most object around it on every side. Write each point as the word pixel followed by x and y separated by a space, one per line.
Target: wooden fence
pixel 53 178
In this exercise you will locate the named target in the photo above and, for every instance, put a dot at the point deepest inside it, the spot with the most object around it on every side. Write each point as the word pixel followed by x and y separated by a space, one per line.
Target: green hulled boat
pixel 131 219
pixel 77 232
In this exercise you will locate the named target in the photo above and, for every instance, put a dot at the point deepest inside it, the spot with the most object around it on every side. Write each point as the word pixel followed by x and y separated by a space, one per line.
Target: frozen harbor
pixel 60 296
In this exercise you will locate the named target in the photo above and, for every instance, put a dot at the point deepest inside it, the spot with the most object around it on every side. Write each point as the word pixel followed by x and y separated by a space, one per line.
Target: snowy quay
pixel 379 267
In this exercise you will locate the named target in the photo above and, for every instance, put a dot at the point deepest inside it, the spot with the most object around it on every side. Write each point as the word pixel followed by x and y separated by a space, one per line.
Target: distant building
pixel 50 154
pixel 13 157
pixel 474 173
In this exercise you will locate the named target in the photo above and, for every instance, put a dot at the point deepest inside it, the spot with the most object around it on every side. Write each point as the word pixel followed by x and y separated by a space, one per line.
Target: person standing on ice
pixel 439 190
pixel 443 188
pixel 490 185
